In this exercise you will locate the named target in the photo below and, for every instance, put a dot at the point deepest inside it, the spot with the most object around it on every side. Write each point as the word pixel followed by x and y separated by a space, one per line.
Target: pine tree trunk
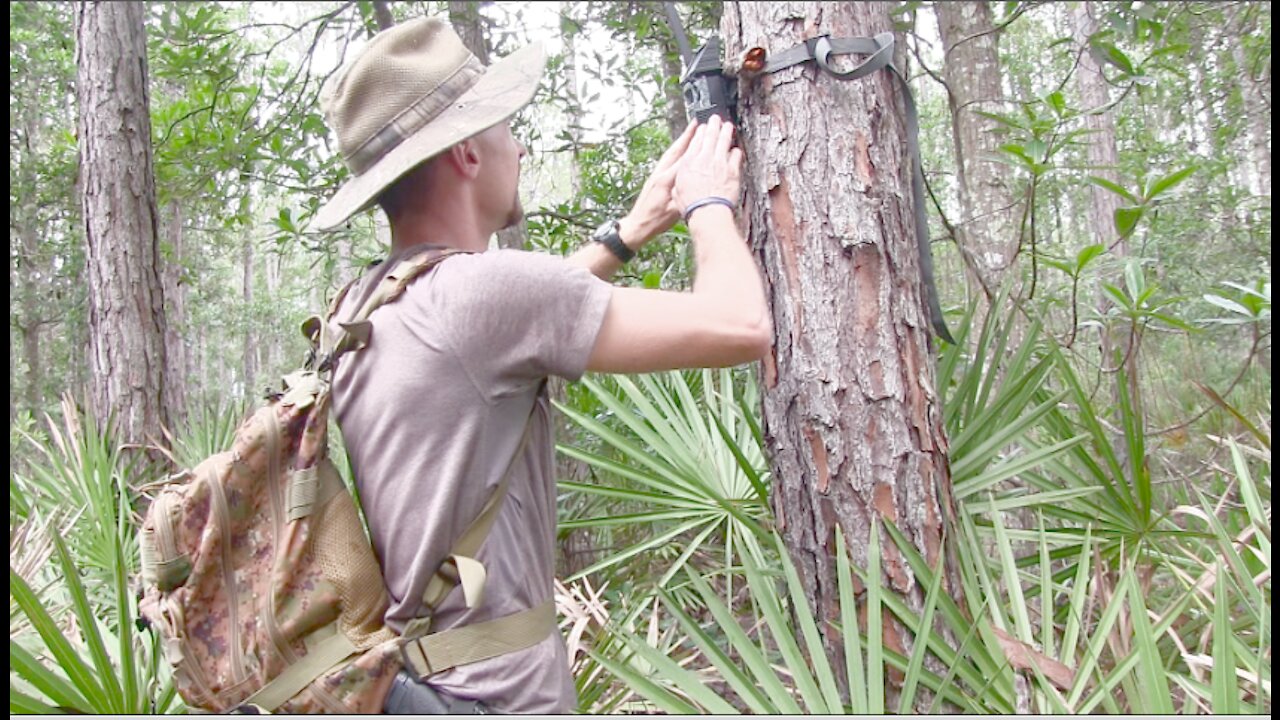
pixel 852 419
pixel 1101 140
pixel 971 68
pixel 249 358
pixel 28 289
pixel 1257 108
pixel 1117 349
pixel 118 198
pixel 177 367
pixel 466 20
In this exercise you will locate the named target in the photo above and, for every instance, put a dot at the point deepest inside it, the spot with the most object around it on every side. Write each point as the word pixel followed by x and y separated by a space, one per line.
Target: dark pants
pixel 409 696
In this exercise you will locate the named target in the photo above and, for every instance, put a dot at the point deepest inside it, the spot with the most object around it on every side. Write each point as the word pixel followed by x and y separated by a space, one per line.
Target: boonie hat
pixel 414 92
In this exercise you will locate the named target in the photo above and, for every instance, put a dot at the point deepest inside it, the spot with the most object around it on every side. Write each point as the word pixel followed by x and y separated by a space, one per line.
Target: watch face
pixel 605 228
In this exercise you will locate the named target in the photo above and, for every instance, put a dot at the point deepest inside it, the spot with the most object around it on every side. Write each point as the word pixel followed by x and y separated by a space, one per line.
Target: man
pixel 436 407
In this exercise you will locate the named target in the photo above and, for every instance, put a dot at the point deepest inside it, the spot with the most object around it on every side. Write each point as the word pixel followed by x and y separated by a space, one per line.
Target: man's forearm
pixel 725 271
pixel 600 260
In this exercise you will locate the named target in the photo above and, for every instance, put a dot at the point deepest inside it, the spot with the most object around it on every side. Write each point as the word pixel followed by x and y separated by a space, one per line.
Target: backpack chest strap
pixel 450 648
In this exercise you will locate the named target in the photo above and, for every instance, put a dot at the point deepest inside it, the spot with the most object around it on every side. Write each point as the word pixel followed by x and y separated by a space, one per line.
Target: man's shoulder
pixel 503 270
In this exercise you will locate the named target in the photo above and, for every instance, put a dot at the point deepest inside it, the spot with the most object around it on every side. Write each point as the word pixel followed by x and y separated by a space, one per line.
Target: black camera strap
pixel 879 52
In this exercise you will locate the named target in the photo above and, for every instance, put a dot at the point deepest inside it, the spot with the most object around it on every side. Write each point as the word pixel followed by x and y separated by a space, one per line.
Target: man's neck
pixel 428 228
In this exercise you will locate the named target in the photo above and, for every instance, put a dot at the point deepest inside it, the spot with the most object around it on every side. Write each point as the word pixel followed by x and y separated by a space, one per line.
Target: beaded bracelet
pixel 709 200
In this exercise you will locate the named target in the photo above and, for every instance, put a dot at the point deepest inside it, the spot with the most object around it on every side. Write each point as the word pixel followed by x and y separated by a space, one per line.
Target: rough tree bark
pixel 249 352
pixel 28 291
pixel 118 199
pixel 1100 121
pixel 852 418
pixel 1257 108
pixel 177 366
pixel 971 68
pixel 1103 159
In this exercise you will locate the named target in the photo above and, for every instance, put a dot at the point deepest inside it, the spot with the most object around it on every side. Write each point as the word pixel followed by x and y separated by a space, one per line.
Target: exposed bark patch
pixel 862 158
pixel 867 272
pixel 770 363
pixel 884 502
pixel 876 371
pixel 819 459
pixel 786 233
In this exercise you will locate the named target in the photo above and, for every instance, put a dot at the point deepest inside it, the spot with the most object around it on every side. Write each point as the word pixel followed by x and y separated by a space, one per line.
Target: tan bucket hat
pixel 414 92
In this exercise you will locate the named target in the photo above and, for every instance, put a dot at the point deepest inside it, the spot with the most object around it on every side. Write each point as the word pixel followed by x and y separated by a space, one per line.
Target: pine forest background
pixel 1099 208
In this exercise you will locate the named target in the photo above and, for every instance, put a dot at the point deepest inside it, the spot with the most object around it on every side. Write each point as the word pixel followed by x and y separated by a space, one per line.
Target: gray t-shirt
pixel 432 411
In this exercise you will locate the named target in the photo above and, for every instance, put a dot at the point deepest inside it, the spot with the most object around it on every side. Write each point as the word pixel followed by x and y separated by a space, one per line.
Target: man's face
pixel 500 173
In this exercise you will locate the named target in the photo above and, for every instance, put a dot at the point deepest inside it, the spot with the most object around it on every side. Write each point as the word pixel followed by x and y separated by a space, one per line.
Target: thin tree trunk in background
pixel 382 13
pixel 971 68
pixel 126 296
pixel 469 24
pixel 28 290
pixel 1103 159
pixel 249 364
pixel 1257 109
pixel 1101 140
pixel 272 361
pixel 672 70
pixel 466 20
pixel 178 367
pixel 852 419
pixel 574 122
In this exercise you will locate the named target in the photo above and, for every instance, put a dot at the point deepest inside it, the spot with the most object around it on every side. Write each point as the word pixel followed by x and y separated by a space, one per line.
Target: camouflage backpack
pixel 259 577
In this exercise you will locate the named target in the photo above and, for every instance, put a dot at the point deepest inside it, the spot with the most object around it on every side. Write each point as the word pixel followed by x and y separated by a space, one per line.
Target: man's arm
pixel 654 212
pixel 600 261
pixel 725 319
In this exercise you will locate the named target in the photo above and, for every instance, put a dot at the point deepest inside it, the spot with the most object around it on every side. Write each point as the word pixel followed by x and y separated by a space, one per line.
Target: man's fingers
pixel 677 148
pixel 705 140
pixel 724 140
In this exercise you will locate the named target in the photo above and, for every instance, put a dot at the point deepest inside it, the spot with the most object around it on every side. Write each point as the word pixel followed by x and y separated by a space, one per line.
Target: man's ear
pixel 465 158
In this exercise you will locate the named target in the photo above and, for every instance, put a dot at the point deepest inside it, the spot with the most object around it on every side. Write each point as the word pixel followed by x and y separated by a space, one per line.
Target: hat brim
pixel 505 87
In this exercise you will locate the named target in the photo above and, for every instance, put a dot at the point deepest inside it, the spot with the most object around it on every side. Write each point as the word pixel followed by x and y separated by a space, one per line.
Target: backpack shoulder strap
pixel 382 285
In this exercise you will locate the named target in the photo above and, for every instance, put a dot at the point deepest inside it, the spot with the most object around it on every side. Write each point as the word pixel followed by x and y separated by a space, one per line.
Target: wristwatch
pixel 608 235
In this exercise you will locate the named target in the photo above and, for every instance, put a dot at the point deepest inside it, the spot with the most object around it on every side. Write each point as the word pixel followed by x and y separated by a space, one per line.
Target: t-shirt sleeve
pixel 517 317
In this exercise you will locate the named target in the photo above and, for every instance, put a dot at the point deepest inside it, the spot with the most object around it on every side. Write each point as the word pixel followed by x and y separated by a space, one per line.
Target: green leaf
pixel 913 673
pixel 1151 673
pixel 855 675
pixel 1113 187
pixel 21 703
pixel 1117 57
pixel 1227 304
pixel 77 670
pixel 1036 150
pixel 1168 182
pixel 751 656
pixel 53 686
pixel 1086 255
pixel 875 624
pixel 1127 219
pixel 1058 102
pixel 1226 700
pixel 663 698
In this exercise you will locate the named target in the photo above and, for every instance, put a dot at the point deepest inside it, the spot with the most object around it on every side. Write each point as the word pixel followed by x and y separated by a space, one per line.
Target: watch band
pixel 609 236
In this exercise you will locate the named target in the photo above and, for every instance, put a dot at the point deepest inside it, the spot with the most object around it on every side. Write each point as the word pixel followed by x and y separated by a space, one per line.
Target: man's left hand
pixel 655 211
